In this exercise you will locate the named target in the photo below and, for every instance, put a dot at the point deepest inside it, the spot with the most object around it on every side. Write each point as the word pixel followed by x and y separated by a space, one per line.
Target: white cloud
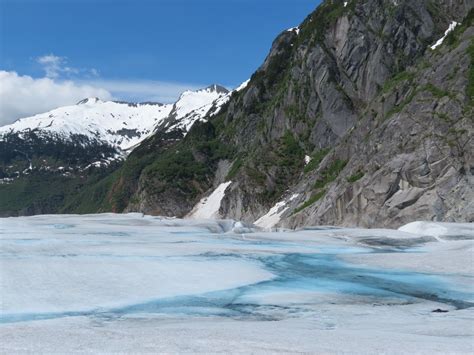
pixel 55 66
pixel 94 72
pixel 143 90
pixel 22 96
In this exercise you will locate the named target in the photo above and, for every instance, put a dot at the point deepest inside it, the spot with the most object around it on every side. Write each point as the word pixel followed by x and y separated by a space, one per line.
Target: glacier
pixel 137 283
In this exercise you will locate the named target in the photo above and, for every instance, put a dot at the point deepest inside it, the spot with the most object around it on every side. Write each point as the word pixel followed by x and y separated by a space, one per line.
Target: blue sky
pixel 142 49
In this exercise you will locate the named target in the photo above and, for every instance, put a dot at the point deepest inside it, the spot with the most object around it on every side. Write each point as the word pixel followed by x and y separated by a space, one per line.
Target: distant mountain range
pixel 361 116
pixel 94 133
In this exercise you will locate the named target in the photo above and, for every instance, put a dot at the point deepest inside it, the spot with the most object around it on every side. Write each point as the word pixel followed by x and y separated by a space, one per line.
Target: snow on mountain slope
pixel 211 108
pixel 191 100
pixel 120 124
pixel 182 117
pixel 184 123
pixel 208 207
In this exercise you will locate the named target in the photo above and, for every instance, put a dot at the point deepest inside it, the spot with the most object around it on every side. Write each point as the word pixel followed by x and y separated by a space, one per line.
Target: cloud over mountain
pixel 22 95
pixel 65 84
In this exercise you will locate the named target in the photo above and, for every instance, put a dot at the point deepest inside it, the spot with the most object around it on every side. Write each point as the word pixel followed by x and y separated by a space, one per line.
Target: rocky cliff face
pixel 410 155
pixel 318 81
pixel 382 121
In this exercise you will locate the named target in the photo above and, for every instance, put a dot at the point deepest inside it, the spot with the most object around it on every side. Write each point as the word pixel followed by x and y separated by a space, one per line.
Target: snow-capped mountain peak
pixel 89 100
pixel 192 100
pixel 121 125
pixel 118 124
pixel 183 119
pixel 94 133
pixel 211 89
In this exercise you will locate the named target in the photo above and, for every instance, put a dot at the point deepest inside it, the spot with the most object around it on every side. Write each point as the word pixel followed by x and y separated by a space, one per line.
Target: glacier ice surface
pixel 166 282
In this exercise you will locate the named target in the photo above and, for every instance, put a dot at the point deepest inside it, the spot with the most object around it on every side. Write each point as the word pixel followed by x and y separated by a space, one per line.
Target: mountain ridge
pixel 309 138
pixel 79 142
pixel 89 113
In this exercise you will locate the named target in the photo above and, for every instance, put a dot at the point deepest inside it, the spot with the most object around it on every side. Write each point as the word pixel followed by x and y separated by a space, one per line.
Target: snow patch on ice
pixel 440 41
pixel 67 263
pixel 439 230
pixel 208 207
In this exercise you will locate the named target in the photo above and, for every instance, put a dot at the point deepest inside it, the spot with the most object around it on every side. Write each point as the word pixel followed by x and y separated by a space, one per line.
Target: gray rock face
pixel 416 156
pixel 333 87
